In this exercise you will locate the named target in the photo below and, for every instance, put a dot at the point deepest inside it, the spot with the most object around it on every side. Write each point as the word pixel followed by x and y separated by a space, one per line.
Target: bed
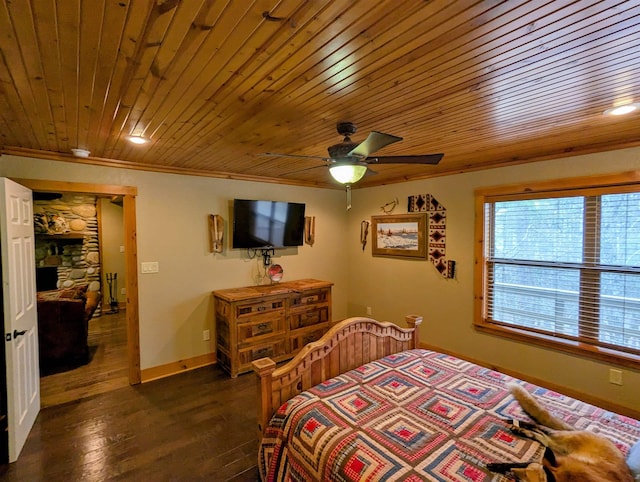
pixel 366 403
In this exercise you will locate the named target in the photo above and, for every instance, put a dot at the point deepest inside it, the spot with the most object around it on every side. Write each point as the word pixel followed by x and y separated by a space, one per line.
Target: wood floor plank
pixel 106 371
pixel 197 425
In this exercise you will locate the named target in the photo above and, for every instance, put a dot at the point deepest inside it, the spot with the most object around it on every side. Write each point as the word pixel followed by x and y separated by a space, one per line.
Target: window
pixel 561 266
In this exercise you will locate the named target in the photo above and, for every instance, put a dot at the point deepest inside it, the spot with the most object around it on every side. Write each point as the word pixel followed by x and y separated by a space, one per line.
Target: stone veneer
pixel 79 261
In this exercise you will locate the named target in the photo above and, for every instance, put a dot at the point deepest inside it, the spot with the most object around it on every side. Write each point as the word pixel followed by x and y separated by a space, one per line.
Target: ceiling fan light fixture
pixel 137 139
pixel 348 173
pixel 623 109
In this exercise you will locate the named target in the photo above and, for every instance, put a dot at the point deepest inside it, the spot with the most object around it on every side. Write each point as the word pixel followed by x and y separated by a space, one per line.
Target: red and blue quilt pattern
pixel 414 416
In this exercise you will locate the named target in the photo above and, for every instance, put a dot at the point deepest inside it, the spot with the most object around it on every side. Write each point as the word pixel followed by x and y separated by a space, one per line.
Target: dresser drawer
pixel 310 297
pixel 265 306
pixel 299 339
pixel 261 325
pixel 272 349
pixel 308 317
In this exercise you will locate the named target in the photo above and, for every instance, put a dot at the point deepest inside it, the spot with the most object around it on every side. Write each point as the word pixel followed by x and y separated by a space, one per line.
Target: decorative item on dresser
pixel 273 321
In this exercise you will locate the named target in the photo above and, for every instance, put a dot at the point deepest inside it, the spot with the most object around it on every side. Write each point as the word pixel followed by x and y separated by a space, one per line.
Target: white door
pixel 20 315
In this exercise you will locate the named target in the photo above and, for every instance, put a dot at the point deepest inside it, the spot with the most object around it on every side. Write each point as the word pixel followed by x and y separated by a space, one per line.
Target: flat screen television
pixel 257 224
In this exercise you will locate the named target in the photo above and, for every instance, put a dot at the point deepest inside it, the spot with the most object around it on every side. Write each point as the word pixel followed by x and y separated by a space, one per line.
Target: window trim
pixel 583 186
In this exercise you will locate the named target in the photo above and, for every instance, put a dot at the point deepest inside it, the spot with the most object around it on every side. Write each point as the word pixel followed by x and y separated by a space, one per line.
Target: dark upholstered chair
pixel 63 327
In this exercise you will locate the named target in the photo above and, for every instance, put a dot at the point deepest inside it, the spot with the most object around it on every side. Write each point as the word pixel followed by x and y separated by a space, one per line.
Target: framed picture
pixel 402 235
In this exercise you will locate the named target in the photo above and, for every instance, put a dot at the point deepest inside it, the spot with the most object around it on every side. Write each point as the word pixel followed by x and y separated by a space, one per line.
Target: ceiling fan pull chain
pixel 348 186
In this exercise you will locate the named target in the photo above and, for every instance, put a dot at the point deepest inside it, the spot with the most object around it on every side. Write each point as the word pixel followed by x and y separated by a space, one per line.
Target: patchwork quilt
pixel 414 416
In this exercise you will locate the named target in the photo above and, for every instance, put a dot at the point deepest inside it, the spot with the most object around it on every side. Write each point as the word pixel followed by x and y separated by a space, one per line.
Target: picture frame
pixel 399 235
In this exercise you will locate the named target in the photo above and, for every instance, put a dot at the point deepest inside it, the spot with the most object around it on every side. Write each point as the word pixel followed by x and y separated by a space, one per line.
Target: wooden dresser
pixel 269 320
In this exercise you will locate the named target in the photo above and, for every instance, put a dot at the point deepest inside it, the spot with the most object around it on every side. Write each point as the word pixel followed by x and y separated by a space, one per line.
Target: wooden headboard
pixel 347 345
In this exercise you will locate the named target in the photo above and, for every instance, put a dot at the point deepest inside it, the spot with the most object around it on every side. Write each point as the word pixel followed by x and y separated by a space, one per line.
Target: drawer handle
pixel 262 326
pixel 261 308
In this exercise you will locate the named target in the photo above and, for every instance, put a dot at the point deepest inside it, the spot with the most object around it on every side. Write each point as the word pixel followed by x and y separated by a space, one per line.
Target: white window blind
pixel 567 267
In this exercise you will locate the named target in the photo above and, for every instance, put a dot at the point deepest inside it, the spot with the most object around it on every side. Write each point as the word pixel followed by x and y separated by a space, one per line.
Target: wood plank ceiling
pixel 216 84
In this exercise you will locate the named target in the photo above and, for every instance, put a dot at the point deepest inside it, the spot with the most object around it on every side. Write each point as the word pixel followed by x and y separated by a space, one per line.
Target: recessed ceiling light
pixel 137 139
pixel 623 109
pixel 80 152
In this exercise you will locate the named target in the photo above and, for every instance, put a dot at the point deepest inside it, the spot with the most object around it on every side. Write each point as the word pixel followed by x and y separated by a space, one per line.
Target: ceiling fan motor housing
pixel 346 128
pixel 340 151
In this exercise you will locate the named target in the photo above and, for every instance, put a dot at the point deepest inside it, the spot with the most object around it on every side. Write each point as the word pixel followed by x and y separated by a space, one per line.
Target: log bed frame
pixel 347 345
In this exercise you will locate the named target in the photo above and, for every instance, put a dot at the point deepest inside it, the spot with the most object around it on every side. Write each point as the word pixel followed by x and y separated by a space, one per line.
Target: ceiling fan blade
pixel 419 159
pixel 374 141
pixel 275 154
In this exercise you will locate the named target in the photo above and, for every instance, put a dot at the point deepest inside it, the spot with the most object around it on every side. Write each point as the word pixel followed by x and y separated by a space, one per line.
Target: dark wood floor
pixel 106 371
pixel 199 425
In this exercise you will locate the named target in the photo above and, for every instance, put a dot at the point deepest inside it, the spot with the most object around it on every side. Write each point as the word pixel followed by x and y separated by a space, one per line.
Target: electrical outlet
pixel 615 376
pixel 369 311
pixel 206 335
pixel 122 249
pixel 123 291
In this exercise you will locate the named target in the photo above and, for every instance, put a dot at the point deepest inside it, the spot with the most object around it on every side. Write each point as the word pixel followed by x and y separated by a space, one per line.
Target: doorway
pixel 92 256
pixel 127 194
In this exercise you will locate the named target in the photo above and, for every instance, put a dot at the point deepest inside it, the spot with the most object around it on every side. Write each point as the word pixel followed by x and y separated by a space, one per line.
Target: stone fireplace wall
pixel 74 248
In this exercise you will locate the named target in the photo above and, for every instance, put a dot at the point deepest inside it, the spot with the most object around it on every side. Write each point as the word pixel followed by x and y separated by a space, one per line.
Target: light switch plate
pixel 149 267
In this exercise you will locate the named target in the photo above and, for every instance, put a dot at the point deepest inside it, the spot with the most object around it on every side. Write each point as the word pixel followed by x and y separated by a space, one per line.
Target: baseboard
pixel 599 402
pixel 180 366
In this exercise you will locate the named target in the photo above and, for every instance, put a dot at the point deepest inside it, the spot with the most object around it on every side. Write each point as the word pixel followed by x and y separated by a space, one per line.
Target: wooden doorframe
pixel 128 194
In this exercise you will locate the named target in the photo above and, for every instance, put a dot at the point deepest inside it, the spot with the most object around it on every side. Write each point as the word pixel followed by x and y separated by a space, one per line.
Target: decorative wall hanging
pixel 437 215
pixel 364 233
pixel 390 206
pixel 309 230
pixel 216 233
pixel 50 223
pixel 399 235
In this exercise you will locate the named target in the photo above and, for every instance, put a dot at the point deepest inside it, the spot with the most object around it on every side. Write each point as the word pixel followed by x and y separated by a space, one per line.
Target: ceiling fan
pixel 349 161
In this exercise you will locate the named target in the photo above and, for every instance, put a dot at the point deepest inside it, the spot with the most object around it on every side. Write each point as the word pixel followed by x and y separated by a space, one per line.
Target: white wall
pixel 395 287
pixel 172 229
